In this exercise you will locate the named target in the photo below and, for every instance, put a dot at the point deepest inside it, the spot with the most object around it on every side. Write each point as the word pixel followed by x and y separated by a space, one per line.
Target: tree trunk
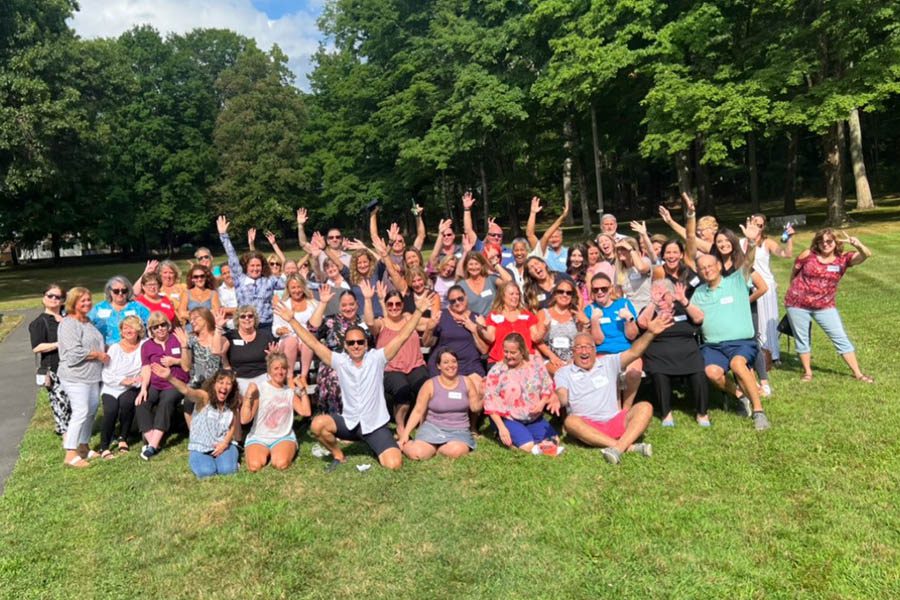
pixel 833 143
pixel 56 246
pixel 14 254
pixel 583 195
pixel 598 158
pixel 484 193
pixel 754 177
pixel 683 170
pixel 790 174
pixel 704 196
pixel 863 192
pixel 572 156
pixel 567 163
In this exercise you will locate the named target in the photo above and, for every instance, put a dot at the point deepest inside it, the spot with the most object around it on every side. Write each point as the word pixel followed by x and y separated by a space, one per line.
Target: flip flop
pixel 806 377
pixel 107 455
pixel 76 462
pixel 91 455
pixel 123 448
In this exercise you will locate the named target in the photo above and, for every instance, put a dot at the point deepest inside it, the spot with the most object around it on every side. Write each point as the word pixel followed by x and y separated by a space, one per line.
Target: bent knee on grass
pixel 391 459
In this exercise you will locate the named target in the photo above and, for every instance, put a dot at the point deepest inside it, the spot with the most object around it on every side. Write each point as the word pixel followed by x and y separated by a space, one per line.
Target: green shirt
pixel 726 310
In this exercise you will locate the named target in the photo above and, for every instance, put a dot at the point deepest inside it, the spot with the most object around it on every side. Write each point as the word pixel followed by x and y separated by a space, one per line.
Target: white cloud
pixel 296 33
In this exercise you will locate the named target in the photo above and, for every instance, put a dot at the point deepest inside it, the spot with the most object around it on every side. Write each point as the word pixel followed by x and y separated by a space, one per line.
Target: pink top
pixel 815 285
pixel 408 358
pixel 519 393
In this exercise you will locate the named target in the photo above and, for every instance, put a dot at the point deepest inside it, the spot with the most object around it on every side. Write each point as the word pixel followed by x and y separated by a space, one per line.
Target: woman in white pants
pixel 81 358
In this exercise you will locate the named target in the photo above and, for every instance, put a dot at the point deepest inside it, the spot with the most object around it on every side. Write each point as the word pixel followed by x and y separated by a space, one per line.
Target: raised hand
pixel 657 294
pixel 220 318
pixel 468 200
pixel 381 290
pixel 536 205
pixel 688 202
pixel 152 265
pixel 326 293
pixel 272 347
pixel 313 249
pixel 393 232
pixel 665 215
pixel 355 245
pixel 660 323
pixel 302 216
pixel 180 335
pixel 624 313
pixel 271 238
pixel 639 227
pixel 366 288
pixel 318 240
pixel 282 310
pixel 750 230
pixel 222 224
pixel 424 303
pixel 418 210
pixel 681 293
pixel 380 248
pixel 161 371
pixel 444 225
pixel 251 236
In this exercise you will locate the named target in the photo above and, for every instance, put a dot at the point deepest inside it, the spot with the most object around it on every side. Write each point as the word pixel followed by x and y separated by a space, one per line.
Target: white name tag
pixel 727 300
pixel 679 318
pixel 541 297
pixel 238 342
pixel 174 296
pixel 487 293
pixel 600 381
pixel 635 275
pixel 130 313
pixel 454 396
pixel 176 351
pixel 694 282
pixel 561 342
pixel 605 320
pixel 104 313
pixel 498 318
pixel 523 317
pixel 834 268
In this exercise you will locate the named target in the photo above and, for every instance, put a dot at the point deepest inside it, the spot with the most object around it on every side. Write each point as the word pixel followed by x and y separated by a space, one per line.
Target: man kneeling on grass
pixel 360 373
pixel 589 388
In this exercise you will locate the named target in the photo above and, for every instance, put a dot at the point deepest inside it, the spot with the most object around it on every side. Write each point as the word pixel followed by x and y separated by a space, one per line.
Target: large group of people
pixel 535 339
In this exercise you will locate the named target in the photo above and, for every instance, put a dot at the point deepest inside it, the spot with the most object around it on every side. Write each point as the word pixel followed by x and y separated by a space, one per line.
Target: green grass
pixel 805 510
pixel 9 323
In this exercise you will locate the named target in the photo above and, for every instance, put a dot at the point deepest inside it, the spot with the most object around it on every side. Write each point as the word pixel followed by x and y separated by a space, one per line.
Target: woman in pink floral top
pixel 814 281
pixel 516 391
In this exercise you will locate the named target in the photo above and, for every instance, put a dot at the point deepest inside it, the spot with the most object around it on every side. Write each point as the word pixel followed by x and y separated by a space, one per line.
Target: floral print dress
pixel 519 394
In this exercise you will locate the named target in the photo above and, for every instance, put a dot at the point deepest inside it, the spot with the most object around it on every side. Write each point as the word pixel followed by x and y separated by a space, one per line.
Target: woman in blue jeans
pixel 213 422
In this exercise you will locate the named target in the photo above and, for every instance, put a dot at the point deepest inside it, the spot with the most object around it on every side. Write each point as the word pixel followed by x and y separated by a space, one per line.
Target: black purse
pixel 784 326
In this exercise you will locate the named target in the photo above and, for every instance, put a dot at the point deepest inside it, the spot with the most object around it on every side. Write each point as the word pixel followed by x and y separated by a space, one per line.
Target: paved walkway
pixel 18 392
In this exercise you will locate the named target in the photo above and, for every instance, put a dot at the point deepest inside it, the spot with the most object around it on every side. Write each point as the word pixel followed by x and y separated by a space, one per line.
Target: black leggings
pixel 119 409
pixel 402 388
pixel 156 411
pixel 696 382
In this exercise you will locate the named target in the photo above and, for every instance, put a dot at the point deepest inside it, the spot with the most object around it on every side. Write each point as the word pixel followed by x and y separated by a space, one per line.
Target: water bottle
pixel 785 236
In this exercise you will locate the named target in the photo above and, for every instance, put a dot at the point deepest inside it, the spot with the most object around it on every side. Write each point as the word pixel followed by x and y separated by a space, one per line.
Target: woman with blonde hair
pixel 121 384
pixel 297 297
pixel 633 272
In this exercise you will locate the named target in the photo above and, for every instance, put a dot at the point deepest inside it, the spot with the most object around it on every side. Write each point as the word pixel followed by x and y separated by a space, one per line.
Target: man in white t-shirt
pixel 589 389
pixel 360 374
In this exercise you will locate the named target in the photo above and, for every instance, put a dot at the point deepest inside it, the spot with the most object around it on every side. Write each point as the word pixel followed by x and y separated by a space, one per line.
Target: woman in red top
pixel 814 281
pixel 508 315
pixel 151 284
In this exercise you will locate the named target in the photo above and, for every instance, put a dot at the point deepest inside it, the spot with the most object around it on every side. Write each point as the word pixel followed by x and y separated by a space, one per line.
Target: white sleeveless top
pixel 275 415
pixel 761 262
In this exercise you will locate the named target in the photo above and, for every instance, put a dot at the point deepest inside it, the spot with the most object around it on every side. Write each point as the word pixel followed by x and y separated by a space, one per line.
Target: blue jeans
pixel 830 322
pixel 206 465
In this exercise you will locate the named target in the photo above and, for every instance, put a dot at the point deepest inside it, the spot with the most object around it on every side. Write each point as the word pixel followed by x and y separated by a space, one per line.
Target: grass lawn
pixel 807 509
pixel 9 323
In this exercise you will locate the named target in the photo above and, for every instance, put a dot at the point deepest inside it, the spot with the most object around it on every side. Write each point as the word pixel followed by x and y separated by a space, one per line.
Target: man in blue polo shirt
pixel 730 342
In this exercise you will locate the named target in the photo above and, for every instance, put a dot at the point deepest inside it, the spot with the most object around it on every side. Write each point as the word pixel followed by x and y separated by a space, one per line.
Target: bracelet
pixel 467 210
pixel 185 347
pixel 690 215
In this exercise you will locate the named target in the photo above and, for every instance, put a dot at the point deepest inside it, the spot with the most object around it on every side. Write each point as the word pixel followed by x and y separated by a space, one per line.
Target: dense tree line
pixel 138 141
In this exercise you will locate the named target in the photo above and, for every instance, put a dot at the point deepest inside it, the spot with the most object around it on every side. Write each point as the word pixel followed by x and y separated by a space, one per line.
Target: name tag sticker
pixel 541 297
pixel 498 318
pixel 605 320
pixel 561 342
pixel 523 317
pixel 104 313
pixel 679 318
pixel 130 313
pixel 487 293
pixel 177 351
pixel 238 342
pixel 694 282
pixel 454 395
pixel 727 300
pixel 600 381
pixel 635 275
pixel 834 268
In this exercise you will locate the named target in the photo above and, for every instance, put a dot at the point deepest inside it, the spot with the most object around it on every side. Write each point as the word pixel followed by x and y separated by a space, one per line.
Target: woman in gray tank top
pixel 442 408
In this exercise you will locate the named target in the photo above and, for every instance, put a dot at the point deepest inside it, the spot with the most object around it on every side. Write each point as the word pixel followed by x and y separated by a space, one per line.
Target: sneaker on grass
pixel 148 452
pixel 760 421
pixel 644 449
pixel 612 455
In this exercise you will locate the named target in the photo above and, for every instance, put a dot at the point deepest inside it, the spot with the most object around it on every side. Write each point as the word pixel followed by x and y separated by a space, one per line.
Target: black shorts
pixel 378 441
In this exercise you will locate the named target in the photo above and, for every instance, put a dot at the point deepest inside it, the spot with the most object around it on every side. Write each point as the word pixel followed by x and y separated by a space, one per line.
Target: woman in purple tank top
pixel 442 408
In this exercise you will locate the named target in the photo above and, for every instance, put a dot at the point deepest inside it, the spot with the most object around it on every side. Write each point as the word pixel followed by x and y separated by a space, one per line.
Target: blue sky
pixel 289 23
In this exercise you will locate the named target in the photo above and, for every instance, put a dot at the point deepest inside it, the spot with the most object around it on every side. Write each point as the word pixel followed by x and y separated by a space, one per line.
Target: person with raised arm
pixel 253 282
pixel 494 233
pixel 588 389
pixel 360 372
pixel 333 236
pixel 550 246
pixel 444 246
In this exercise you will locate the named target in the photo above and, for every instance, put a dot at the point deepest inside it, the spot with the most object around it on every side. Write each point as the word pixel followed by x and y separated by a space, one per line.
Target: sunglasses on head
pixel 601 289
pixel 351 343
pixel 118 291
pixel 53 296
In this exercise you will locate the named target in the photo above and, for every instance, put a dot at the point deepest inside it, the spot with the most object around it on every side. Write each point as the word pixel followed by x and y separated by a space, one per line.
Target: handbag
pixel 784 326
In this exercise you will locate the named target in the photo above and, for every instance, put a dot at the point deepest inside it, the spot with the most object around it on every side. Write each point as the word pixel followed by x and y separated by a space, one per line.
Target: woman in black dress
pixel 45 346
pixel 674 352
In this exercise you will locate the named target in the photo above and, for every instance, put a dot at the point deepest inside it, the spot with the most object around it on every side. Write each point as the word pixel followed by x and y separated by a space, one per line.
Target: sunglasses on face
pixel 565 292
pixel 159 326
pixel 495 235
pixel 53 296
pixel 274 264
pixel 198 277
pixel 118 291
pixel 393 304
pixel 246 317
pixel 335 237
pixel 204 257
pixel 448 234
pixel 600 290
pixel 351 343
pixel 456 300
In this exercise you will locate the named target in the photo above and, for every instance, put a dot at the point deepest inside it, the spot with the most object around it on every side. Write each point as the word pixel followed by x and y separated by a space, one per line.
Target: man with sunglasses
pixel 494 233
pixel 360 372
pixel 119 303
pixel 334 239
pixel 588 389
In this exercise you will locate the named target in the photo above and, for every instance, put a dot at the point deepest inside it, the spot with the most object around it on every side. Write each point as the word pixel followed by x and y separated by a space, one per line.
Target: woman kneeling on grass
pixel 447 399
pixel 516 391
pixel 213 422
pixel 271 405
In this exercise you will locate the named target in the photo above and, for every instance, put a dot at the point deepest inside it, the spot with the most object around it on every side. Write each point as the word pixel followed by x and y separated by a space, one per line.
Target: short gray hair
pixel 107 290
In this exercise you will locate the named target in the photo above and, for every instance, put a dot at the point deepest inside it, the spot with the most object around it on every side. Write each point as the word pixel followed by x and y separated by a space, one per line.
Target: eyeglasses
pixel 600 290
pixel 351 343
pixel 828 242
pixel 158 326
pixel 495 235
pixel 455 300
pixel 274 264
pixel 335 237
pixel 204 257
pixel 200 277
pixel 565 292
pixel 393 304
pixel 53 296
pixel 118 291
pixel 584 347
pixel 246 317
pixel 449 234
